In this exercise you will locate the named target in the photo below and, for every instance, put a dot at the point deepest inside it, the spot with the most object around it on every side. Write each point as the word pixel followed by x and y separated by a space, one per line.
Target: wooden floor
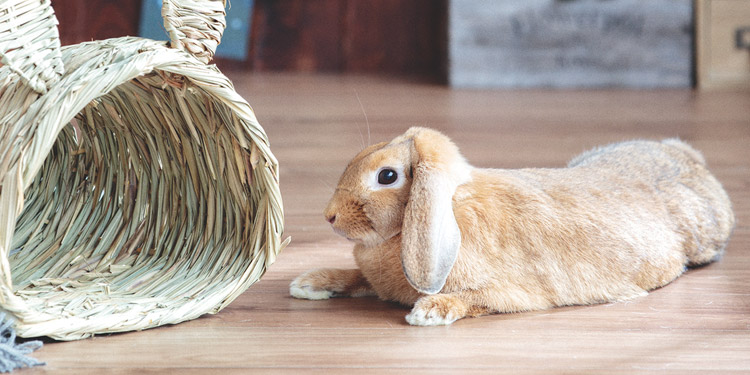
pixel 698 324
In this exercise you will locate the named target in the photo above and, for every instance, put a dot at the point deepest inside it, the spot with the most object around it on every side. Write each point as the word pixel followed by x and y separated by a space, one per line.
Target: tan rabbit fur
pixel 456 241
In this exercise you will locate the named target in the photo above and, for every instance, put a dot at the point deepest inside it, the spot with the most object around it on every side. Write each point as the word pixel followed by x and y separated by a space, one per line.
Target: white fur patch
pixel 421 317
pixel 463 171
pixel 308 292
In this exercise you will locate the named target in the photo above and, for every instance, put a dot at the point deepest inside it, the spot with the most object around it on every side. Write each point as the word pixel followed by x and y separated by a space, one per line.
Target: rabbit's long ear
pixel 430 235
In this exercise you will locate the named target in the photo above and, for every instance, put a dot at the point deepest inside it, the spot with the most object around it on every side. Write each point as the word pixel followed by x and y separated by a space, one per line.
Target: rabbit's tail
pixel 706 217
pixel 686 148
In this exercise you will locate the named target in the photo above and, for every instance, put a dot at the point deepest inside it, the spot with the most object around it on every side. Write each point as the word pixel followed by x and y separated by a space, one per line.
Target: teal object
pixel 235 41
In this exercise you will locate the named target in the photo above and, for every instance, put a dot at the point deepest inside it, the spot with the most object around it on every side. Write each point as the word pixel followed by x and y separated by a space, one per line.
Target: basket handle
pixel 195 26
pixel 30 43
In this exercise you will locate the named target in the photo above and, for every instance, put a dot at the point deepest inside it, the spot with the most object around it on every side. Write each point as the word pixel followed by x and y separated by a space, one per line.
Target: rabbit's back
pixel 621 220
pixel 696 202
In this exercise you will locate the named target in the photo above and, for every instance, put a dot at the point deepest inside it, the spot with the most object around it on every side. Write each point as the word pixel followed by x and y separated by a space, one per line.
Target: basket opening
pixel 145 198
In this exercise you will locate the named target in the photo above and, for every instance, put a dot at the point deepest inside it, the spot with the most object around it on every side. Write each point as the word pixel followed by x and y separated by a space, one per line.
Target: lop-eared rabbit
pixel 451 240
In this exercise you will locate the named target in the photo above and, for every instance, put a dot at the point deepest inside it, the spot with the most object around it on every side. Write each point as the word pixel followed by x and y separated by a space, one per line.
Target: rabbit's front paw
pixel 307 286
pixel 329 282
pixel 439 309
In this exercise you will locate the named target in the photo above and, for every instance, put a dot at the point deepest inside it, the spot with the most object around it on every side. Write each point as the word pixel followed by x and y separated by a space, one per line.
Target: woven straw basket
pixel 137 188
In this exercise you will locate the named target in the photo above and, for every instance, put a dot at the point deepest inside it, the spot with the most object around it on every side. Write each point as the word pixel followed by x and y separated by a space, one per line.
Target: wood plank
pixel 384 37
pixel 82 20
pixel 570 44
pixel 296 35
pixel 699 324
pixel 395 36
pixel 720 64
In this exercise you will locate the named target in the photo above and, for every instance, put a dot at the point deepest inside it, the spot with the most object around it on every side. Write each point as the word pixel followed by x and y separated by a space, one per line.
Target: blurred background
pixel 464 43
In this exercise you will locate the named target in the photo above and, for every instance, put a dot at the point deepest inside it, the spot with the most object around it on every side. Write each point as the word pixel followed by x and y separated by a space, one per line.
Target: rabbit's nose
pixel 331 219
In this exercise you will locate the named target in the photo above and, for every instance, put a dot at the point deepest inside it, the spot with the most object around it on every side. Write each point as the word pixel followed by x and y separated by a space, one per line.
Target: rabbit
pixel 454 241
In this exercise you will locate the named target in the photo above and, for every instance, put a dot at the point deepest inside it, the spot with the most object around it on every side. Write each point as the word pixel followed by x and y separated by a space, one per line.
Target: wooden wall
pixel 85 20
pixel 401 37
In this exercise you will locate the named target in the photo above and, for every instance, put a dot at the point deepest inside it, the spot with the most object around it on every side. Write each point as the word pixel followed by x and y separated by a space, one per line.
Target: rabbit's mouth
pixel 369 238
pixel 357 229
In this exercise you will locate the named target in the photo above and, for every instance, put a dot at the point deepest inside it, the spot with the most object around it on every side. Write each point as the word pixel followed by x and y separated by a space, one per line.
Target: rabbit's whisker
pixel 367 121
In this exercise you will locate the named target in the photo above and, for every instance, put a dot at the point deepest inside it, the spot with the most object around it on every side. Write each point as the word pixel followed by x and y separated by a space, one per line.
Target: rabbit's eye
pixel 387 176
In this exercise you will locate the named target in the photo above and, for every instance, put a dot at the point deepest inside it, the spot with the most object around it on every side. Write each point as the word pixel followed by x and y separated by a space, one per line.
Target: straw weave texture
pixel 137 190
